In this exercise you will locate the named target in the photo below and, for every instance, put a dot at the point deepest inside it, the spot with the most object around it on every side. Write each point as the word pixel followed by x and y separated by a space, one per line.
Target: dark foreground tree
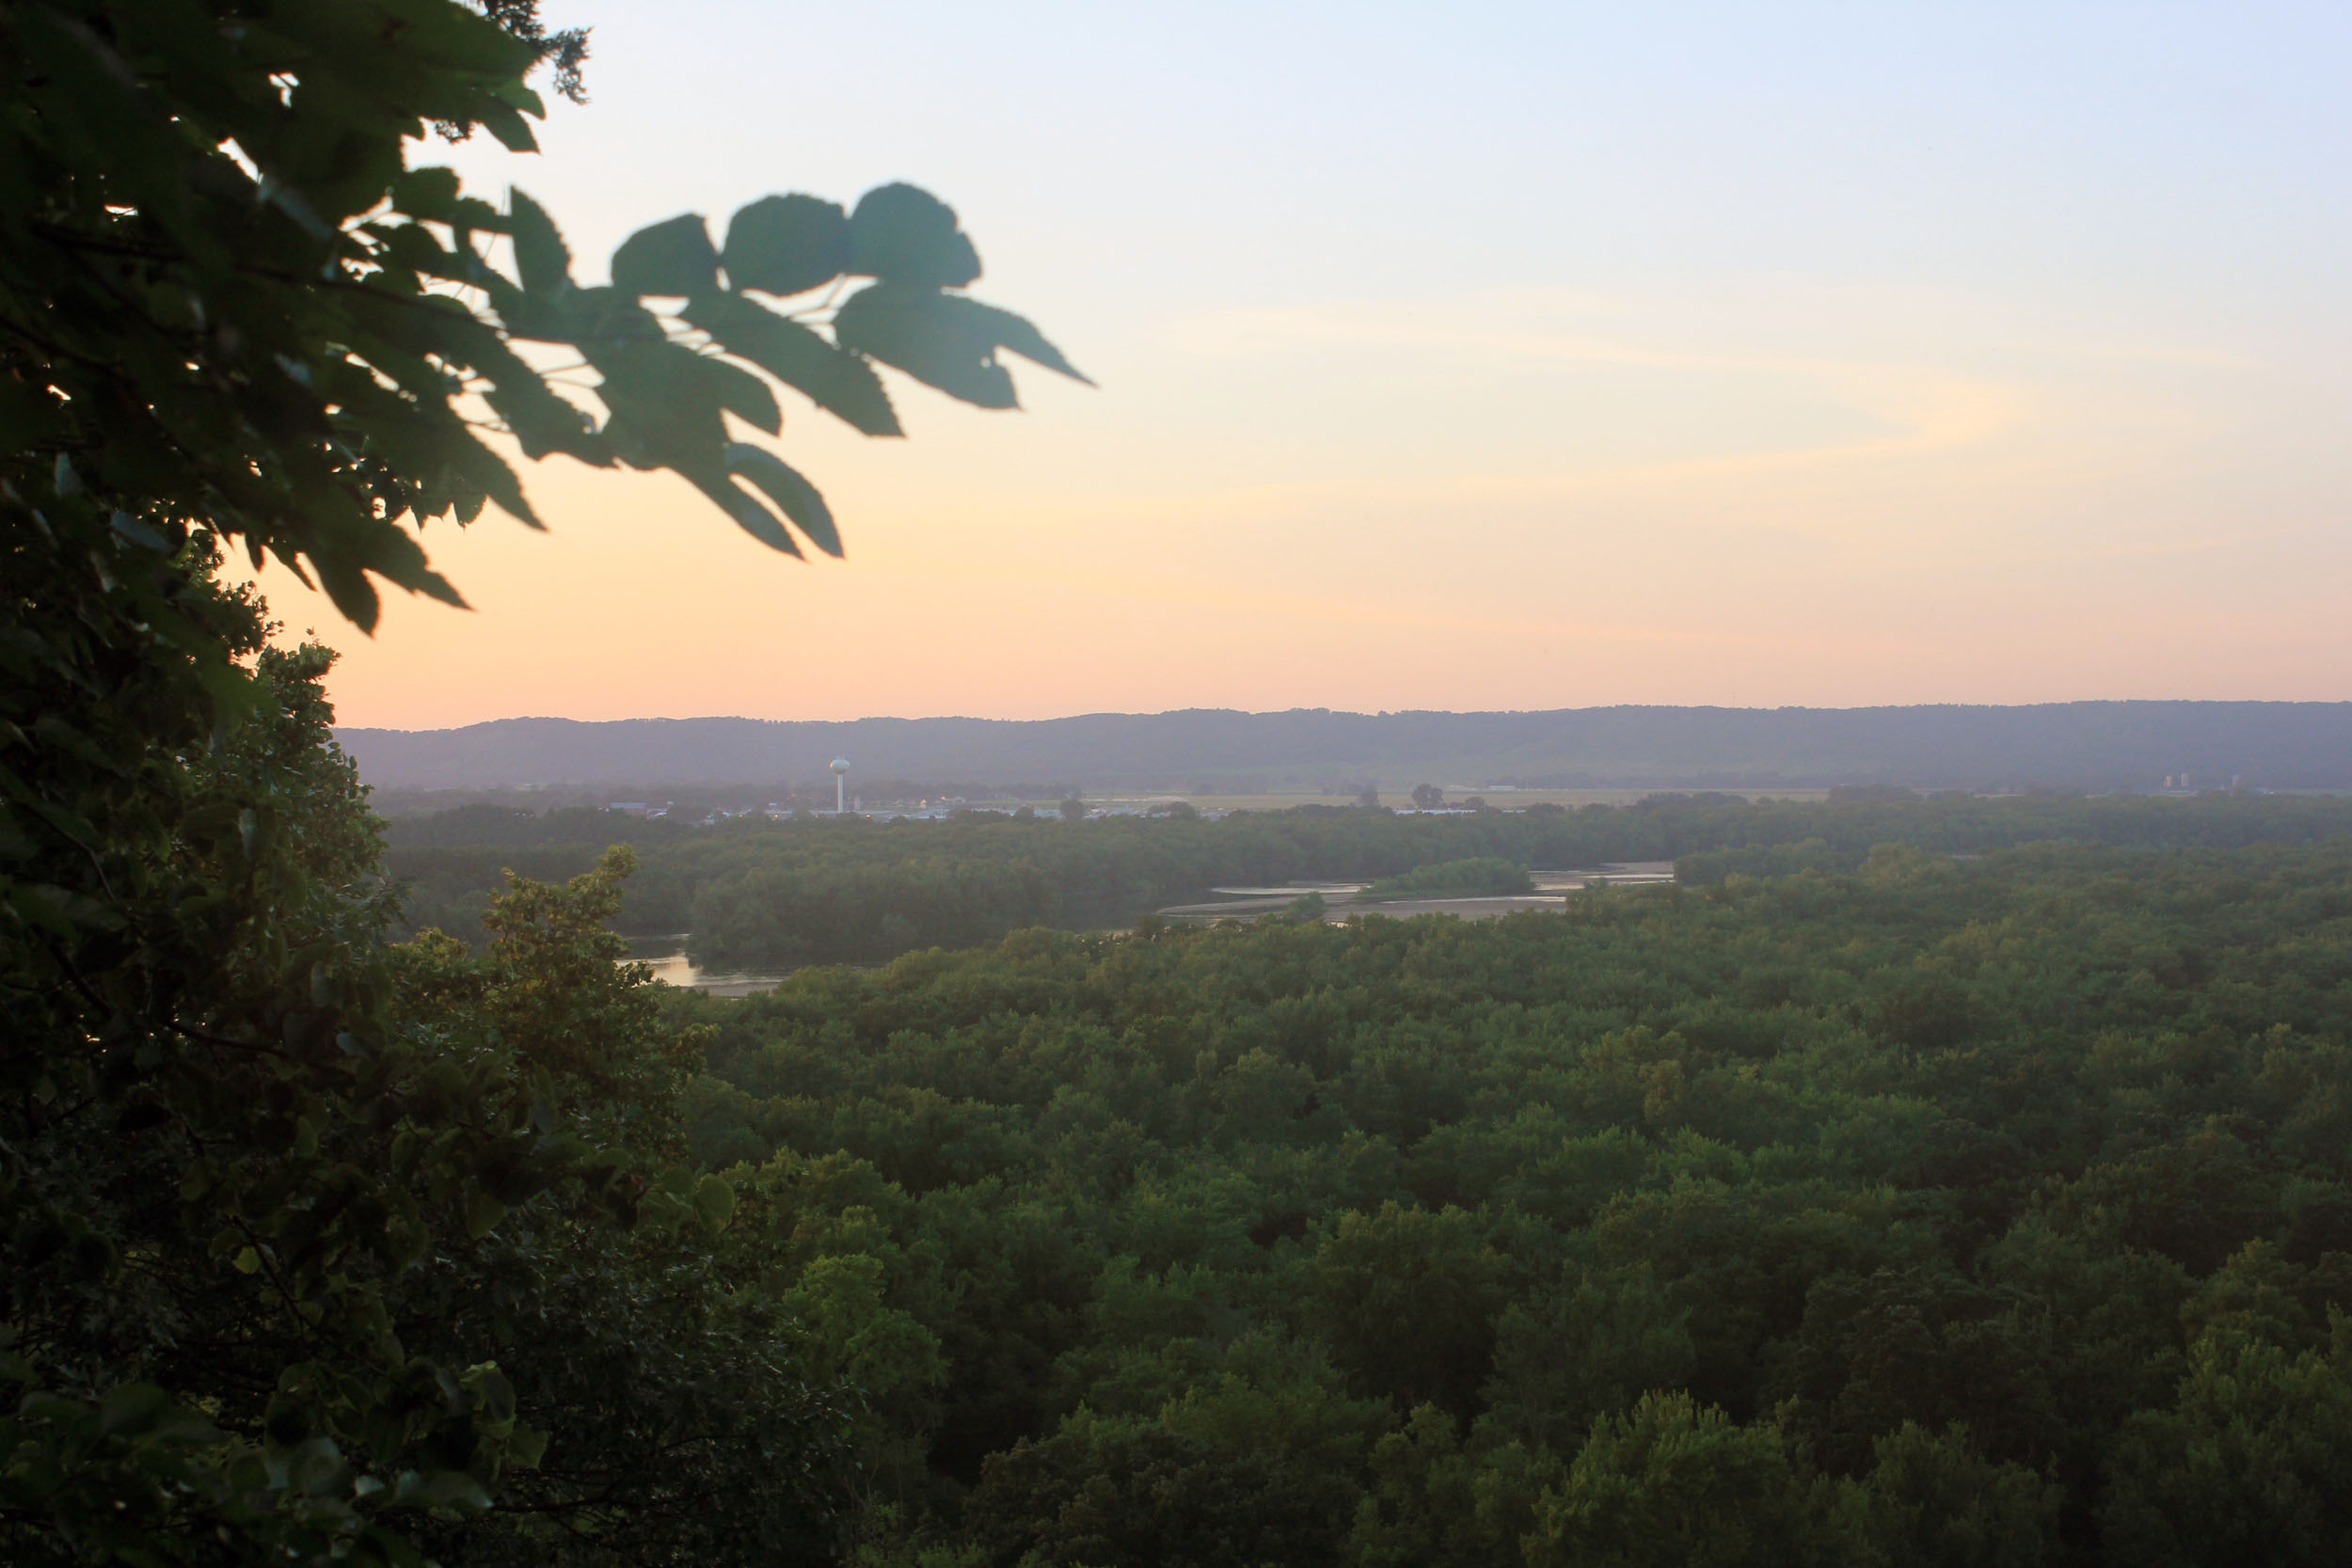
pixel 310 1248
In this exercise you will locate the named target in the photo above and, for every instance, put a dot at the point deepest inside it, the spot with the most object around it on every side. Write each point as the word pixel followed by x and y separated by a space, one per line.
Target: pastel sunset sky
pixel 1483 357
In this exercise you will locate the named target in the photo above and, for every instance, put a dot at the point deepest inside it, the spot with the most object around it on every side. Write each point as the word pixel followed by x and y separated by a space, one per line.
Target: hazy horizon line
pixel 1361 713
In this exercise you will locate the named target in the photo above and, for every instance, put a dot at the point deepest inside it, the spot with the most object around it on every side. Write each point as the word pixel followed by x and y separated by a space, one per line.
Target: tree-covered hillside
pixel 2130 745
pixel 1953 1211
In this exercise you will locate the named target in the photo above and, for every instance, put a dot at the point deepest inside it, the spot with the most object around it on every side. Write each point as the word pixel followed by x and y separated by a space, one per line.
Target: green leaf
pixel 431 192
pixel 668 1201
pixel 666 402
pixel 787 245
pixel 903 234
pixel 840 383
pixel 483 1213
pixel 742 394
pixel 502 120
pixel 542 263
pixel 72 1415
pixel 319 1470
pixel 453 1490
pixel 945 340
pixel 904 327
pixel 753 520
pixel 344 558
pixel 673 257
pixel 714 1199
pixel 526 1447
pixel 139 533
pixel 794 496
pixel 131 1408
pixel 522 98
pixel 542 422
pixel 1017 334
pixel 39 906
pixel 493 1394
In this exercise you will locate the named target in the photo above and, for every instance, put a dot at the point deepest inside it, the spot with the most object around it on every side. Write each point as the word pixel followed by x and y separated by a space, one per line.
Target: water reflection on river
pixel 667 957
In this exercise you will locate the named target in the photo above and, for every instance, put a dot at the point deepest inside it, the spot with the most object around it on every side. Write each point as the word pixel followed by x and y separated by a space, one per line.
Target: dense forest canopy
pixel 756 893
pixel 1950 1211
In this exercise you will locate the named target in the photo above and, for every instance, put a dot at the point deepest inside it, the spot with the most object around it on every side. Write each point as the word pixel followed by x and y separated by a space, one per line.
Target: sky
pixel 1480 357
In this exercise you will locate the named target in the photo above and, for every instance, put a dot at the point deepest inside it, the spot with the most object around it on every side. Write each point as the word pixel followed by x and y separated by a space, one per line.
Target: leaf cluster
pixel 227 301
pixel 312 1249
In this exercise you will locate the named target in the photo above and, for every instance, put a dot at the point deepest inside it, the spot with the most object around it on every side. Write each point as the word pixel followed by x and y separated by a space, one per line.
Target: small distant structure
pixel 840 784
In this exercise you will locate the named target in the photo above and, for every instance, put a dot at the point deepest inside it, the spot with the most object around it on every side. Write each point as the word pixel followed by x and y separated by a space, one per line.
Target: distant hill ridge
pixel 2080 745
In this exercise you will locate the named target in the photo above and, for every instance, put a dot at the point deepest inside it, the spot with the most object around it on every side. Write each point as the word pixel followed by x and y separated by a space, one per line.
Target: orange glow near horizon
pixel 2023 420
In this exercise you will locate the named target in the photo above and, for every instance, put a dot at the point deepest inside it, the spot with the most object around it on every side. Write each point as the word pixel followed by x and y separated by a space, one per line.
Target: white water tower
pixel 840 784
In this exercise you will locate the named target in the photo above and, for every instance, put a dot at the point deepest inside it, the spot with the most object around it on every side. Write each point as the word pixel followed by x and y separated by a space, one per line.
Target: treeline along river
pixel 771 895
